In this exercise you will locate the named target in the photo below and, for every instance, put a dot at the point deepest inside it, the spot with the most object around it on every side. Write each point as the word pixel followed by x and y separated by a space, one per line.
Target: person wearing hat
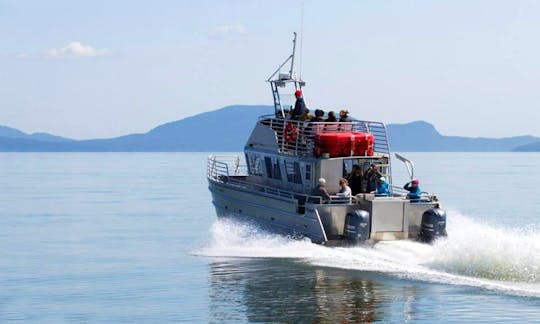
pixel 321 191
pixel 343 116
pixel 299 106
pixel 382 187
pixel 414 190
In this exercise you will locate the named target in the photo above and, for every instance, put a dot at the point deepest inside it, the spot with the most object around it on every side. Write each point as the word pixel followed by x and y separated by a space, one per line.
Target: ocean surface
pixel 133 237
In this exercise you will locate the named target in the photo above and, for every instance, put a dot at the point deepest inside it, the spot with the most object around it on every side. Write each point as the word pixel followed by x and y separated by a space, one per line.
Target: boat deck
pixel 296 137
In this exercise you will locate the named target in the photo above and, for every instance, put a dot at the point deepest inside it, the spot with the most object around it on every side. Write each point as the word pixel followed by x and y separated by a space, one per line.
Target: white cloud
pixel 223 31
pixel 76 49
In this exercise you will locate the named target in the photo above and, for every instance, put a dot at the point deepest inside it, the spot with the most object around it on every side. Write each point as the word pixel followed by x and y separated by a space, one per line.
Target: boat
pixel 284 159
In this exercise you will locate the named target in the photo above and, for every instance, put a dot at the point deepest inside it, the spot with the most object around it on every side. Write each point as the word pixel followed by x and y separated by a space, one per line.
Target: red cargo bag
pixel 343 144
pixel 363 144
pixel 335 144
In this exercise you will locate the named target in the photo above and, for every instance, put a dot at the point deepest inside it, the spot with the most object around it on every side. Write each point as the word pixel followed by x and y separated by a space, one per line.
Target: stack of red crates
pixel 344 144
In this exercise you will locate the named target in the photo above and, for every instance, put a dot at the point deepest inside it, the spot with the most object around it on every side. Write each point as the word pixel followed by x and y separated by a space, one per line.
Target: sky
pixel 98 69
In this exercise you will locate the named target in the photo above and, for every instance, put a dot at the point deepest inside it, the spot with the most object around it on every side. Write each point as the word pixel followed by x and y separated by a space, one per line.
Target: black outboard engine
pixel 433 225
pixel 357 227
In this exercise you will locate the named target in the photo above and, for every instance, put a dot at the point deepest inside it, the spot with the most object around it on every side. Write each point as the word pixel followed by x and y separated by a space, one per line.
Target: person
pixel 371 177
pixel 343 116
pixel 331 117
pixel 353 170
pixel 318 116
pixel 299 106
pixel 382 187
pixel 321 191
pixel 356 179
pixel 345 190
pixel 414 190
pixel 305 115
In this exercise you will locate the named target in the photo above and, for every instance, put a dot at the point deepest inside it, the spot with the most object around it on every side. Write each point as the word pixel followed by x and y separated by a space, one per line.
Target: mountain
pixel 531 147
pixel 8 132
pixel 227 129
pixel 422 136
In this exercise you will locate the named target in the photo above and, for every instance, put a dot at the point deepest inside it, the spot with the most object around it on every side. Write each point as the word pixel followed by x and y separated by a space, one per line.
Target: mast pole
pixel 292 56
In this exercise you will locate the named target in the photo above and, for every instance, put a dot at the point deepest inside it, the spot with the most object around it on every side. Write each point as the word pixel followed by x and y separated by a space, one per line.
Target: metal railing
pixel 218 167
pixel 229 169
pixel 224 166
pixel 424 196
pixel 298 137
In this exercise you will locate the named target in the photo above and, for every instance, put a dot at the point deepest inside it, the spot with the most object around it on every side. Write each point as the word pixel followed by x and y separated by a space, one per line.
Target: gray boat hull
pixel 392 218
pixel 278 214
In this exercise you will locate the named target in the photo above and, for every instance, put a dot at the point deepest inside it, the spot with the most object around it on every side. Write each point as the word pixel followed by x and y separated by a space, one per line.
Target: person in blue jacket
pixel 382 187
pixel 414 190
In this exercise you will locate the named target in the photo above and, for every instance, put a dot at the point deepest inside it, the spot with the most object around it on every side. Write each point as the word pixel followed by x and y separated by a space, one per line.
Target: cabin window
pixel 308 172
pixel 277 170
pixel 293 172
pixel 273 171
pixel 268 164
pixel 254 165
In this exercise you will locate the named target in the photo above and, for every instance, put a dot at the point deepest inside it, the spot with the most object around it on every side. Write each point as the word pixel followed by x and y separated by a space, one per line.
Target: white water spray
pixel 474 254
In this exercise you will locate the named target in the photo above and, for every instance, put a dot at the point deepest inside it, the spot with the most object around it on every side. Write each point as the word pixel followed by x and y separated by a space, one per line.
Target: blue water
pixel 133 237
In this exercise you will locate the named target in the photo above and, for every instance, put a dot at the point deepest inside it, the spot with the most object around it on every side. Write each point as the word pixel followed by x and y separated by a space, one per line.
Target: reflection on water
pixel 281 290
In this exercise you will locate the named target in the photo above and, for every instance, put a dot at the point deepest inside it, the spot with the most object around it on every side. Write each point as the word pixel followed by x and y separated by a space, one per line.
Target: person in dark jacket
pixel 414 190
pixel 318 116
pixel 321 191
pixel 356 179
pixel 331 117
pixel 299 106
pixel 371 177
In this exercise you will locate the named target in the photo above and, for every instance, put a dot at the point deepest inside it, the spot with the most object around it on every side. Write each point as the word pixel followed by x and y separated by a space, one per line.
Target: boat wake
pixel 474 254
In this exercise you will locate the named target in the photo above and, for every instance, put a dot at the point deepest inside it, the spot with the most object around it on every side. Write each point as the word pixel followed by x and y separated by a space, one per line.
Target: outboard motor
pixel 433 225
pixel 357 226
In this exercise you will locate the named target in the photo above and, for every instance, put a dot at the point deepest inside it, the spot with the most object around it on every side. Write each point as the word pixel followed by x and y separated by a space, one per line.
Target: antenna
pixel 292 56
pixel 283 79
pixel 301 37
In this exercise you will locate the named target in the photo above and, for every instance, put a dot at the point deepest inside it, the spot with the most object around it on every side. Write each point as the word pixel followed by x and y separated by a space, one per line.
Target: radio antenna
pixel 291 71
pixel 301 37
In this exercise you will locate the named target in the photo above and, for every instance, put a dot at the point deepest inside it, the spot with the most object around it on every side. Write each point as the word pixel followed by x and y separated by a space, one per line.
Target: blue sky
pixel 90 69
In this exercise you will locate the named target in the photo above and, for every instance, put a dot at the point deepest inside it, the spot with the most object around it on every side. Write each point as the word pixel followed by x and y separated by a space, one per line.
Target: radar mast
pixel 281 80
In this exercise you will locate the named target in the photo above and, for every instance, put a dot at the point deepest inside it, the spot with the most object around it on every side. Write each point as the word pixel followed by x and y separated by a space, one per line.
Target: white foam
pixel 474 254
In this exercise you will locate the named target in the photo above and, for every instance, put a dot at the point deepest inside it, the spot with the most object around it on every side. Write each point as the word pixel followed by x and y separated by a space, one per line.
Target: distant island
pixel 227 129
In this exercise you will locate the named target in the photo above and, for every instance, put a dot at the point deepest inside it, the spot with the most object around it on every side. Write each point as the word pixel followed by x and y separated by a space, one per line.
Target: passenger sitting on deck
pixel 299 106
pixel 382 188
pixel 343 116
pixel 318 116
pixel 331 117
pixel 345 190
pixel 371 176
pixel 305 116
pixel 414 190
pixel 321 191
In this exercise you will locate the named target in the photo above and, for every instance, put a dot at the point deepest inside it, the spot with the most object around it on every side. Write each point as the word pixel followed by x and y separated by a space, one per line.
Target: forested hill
pixel 227 129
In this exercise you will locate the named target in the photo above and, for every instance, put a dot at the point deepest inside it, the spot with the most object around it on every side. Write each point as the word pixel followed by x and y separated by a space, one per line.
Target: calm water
pixel 134 238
